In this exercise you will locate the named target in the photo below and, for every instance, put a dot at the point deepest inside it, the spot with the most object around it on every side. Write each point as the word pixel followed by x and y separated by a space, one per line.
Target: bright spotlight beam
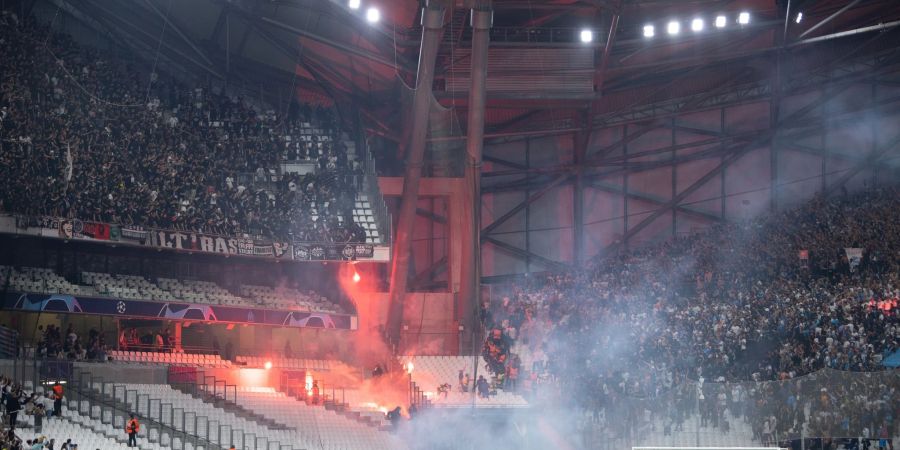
pixel 697 25
pixel 587 36
pixel 373 15
pixel 673 28
pixel 721 21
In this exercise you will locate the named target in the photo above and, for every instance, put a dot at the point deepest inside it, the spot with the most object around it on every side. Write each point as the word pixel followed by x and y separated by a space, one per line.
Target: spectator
pixel 92 138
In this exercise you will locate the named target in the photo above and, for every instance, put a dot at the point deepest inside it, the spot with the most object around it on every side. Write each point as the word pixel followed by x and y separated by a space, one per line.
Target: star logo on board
pixel 120 307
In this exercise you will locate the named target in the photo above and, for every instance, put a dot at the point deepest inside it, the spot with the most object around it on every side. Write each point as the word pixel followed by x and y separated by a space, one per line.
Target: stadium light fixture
pixel 697 24
pixel 744 18
pixel 353 4
pixel 649 31
pixel 373 15
pixel 799 17
pixel 721 21
pixel 673 28
pixel 587 36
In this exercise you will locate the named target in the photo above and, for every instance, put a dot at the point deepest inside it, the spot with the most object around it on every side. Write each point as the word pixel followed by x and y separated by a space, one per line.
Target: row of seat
pixel 180 359
pixel 38 280
pixel 328 426
pixel 289 363
pixel 429 372
pixel 187 413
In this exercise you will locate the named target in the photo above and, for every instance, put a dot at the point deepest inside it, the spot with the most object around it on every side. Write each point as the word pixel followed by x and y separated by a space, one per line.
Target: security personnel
pixel 132 428
pixel 57 399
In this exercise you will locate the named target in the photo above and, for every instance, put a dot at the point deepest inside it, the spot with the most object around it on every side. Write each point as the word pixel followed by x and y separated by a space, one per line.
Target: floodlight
pixel 697 24
pixel 673 28
pixel 649 31
pixel 587 36
pixel 353 4
pixel 744 18
pixel 721 21
pixel 373 15
pixel 799 17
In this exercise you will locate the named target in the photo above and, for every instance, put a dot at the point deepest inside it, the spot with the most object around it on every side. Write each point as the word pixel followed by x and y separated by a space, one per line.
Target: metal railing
pixel 316 392
pixel 171 426
pixel 376 199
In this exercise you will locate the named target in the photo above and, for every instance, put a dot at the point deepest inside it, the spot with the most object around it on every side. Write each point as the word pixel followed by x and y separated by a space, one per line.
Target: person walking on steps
pixel 57 399
pixel 132 428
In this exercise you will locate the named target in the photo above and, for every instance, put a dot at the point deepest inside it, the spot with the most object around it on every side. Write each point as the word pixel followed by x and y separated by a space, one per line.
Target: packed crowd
pixel 16 402
pixel 91 137
pixel 751 308
pixel 54 343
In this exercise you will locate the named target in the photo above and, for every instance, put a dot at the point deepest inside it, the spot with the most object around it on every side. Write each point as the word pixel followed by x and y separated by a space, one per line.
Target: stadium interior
pixel 449 224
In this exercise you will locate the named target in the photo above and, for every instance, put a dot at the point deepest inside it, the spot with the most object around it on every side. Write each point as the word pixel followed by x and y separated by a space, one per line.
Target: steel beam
pixel 828 19
pixel 531 199
pixel 620 190
pixel 468 299
pixel 432 27
pixel 870 161
pixel 581 140
pixel 340 46
pixel 526 254
pixel 177 30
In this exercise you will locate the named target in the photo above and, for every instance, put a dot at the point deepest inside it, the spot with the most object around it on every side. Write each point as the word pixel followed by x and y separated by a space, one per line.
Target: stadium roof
pixel 542 78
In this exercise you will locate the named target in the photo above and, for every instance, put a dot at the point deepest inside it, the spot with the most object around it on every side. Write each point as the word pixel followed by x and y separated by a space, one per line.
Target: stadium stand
pixel 432 372
pixel 333 428
pixel 45 281
pixel 288 363
pixel 736 313
pixel 169 359
pixel 152 152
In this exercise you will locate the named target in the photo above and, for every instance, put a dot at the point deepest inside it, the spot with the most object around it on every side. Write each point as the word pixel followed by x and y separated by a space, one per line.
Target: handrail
pixel 164 410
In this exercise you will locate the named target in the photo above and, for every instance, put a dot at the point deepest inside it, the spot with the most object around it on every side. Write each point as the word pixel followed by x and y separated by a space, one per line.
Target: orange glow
pixel 268 365
pixel 309 381
pixel 253 377
pixel 409 367
pixel 356 277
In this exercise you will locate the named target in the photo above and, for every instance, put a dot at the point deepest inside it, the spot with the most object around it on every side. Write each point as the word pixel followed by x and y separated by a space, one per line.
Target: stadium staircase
pixel 107 405
pixel 211 394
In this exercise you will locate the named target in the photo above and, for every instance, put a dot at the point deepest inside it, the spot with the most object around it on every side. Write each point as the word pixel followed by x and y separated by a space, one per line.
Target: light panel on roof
pixel 649 31
pixel 373 15
pixel 587 36
pixel 697 24
pixel 353 4
pixel 673 28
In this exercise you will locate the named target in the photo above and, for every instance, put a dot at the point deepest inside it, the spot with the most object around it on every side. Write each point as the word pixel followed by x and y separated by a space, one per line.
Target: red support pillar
pixel 470 265
pixel 432 27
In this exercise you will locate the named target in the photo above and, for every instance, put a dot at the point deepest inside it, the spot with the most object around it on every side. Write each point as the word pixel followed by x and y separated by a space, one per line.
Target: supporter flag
pixel 854 257
pixel 115 233
pixel 70 164
pixel 97 230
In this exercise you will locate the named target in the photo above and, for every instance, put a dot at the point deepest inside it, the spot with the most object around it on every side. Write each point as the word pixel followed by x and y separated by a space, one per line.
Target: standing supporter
pixel 132 428
pixel 57 399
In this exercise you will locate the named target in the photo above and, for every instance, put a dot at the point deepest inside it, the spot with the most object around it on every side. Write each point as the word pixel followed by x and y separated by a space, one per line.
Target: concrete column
pixel 432 28
pixel 470 289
